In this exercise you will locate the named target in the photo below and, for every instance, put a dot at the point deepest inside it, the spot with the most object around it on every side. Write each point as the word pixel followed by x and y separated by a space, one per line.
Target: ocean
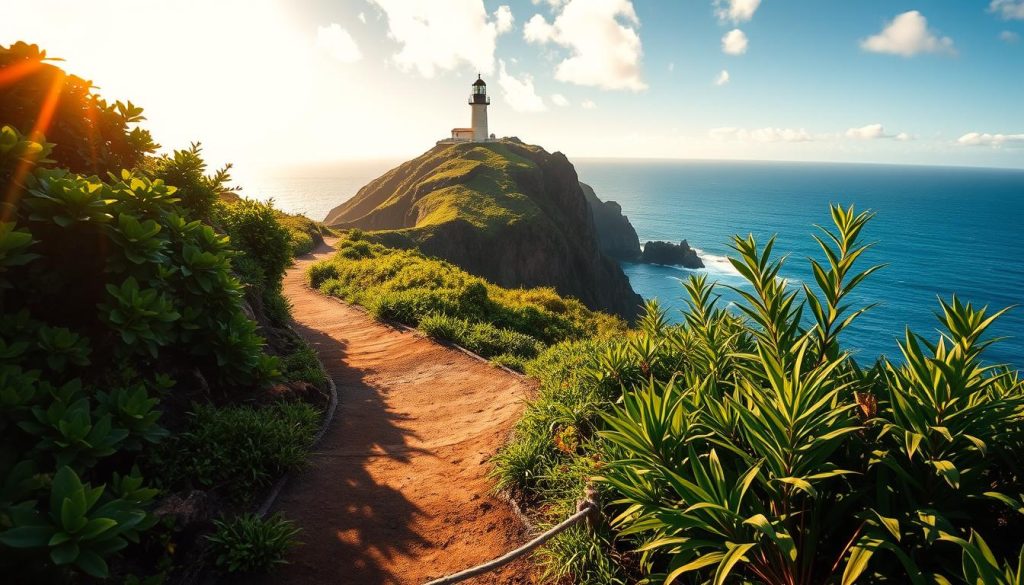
pixel 939 230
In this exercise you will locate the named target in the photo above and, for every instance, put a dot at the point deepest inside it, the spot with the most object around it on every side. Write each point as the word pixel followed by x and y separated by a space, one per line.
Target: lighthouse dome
pixel 479 82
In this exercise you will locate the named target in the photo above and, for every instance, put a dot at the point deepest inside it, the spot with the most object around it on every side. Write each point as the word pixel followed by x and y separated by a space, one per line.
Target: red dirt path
pixel 397 491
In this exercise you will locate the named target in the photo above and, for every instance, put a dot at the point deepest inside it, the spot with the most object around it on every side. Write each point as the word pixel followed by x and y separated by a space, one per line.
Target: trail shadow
pixel 351 524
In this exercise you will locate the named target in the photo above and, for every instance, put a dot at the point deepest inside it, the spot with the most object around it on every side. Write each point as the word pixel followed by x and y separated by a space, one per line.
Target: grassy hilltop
pixel 506 211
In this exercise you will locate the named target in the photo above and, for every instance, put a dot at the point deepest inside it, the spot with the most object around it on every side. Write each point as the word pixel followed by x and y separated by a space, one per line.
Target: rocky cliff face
pixel 680 254
pixel 615 235
pixel 510 212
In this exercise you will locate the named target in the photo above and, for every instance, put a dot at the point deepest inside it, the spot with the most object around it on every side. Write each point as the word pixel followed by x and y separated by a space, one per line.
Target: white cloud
pixel 338 43
pixel 442 34
pixel 589 105
pixel 538 30
pixel 1008 9
pixel 869 132
pixel 1010 37
pixel 671 67
pixel 602 39
pixel 876 132
pixel 503 19
pixel 993 140
pixel 559 100
pixel 722 78
pixel 362 17
pixel 734 42
pixel 907 35
pixel 760 135
pixel 736 10
pixel 519 91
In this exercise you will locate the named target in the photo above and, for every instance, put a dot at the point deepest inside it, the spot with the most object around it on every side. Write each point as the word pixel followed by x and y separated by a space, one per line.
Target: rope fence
pixel 587 510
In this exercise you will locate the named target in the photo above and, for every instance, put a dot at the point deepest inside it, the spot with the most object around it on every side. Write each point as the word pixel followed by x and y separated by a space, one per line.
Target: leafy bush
pixel 91 136
pixel 248 544
pixel 255 232
pixel 80 525
pixel 751 448
pixel 110 284
pixel 238 449
pixel 152 288
pixel 186 170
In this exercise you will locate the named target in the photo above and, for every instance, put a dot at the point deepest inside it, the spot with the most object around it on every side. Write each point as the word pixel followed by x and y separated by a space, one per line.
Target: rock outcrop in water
pixel 615 234
pixel 680 254
pixel 507 211
pixel 618 238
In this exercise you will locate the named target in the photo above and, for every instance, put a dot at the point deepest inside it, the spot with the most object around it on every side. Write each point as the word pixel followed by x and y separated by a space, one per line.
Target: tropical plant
pixel 152 289
pixel 237 449
pixel 82 525
pixel 779 460
pixel 248 543
pixel 744 445
pixel 92 136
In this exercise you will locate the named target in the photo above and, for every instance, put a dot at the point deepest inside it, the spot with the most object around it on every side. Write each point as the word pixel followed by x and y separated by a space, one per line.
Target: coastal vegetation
pixel 141 331
pixel 509 326
pixel 748 446
pixel 151 390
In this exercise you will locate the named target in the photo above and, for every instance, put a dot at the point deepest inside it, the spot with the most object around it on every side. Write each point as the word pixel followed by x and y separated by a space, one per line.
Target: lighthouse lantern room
pixel 478 102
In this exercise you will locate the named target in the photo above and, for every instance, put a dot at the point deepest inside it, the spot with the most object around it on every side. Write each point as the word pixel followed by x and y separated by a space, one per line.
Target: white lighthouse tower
pixel 479 101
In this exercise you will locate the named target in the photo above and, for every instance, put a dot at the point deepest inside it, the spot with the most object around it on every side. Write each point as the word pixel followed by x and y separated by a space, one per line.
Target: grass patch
pixel 248 544
pixel 511 326
pixel 238 450
pixel 303 364
pixel 303 233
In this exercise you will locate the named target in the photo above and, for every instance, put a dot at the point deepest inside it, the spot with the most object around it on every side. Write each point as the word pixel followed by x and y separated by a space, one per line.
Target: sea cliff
pixel 507 211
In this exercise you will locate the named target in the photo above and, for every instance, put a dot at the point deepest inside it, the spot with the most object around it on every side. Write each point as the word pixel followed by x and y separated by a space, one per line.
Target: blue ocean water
pixel 940 230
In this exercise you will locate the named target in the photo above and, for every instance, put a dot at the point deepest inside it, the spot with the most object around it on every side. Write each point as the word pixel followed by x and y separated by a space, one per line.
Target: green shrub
pixel 109 281
pixel 488 341
pixel 92 137
pixel 238 449
pixel 482 338
pixel 301 243
pixel 79 525
pixel 303 232
pixel 248 544
pixel 320 272
pixel 440 326
pixel 511 361
pixel 255 232
pixel 276 307
pixel 186 170
pixel 303 364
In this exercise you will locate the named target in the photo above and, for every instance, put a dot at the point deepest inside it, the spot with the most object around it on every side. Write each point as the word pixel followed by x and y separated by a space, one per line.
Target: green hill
pixel 510 212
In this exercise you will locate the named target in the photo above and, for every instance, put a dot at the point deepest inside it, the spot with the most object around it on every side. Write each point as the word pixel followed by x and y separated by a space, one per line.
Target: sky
pixel 270 84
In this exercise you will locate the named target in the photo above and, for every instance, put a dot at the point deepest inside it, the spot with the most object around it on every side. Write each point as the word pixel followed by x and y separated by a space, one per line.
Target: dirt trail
pixel 397 491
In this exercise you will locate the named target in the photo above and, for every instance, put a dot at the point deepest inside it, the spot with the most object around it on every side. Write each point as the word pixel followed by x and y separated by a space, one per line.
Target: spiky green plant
pixel 763 453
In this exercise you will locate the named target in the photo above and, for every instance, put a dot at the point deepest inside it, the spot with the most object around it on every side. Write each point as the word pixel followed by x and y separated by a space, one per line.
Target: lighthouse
pixel 477 132
pixel 479 101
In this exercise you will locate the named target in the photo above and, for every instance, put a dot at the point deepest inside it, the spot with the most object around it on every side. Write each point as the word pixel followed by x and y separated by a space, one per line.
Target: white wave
pixel 716 264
